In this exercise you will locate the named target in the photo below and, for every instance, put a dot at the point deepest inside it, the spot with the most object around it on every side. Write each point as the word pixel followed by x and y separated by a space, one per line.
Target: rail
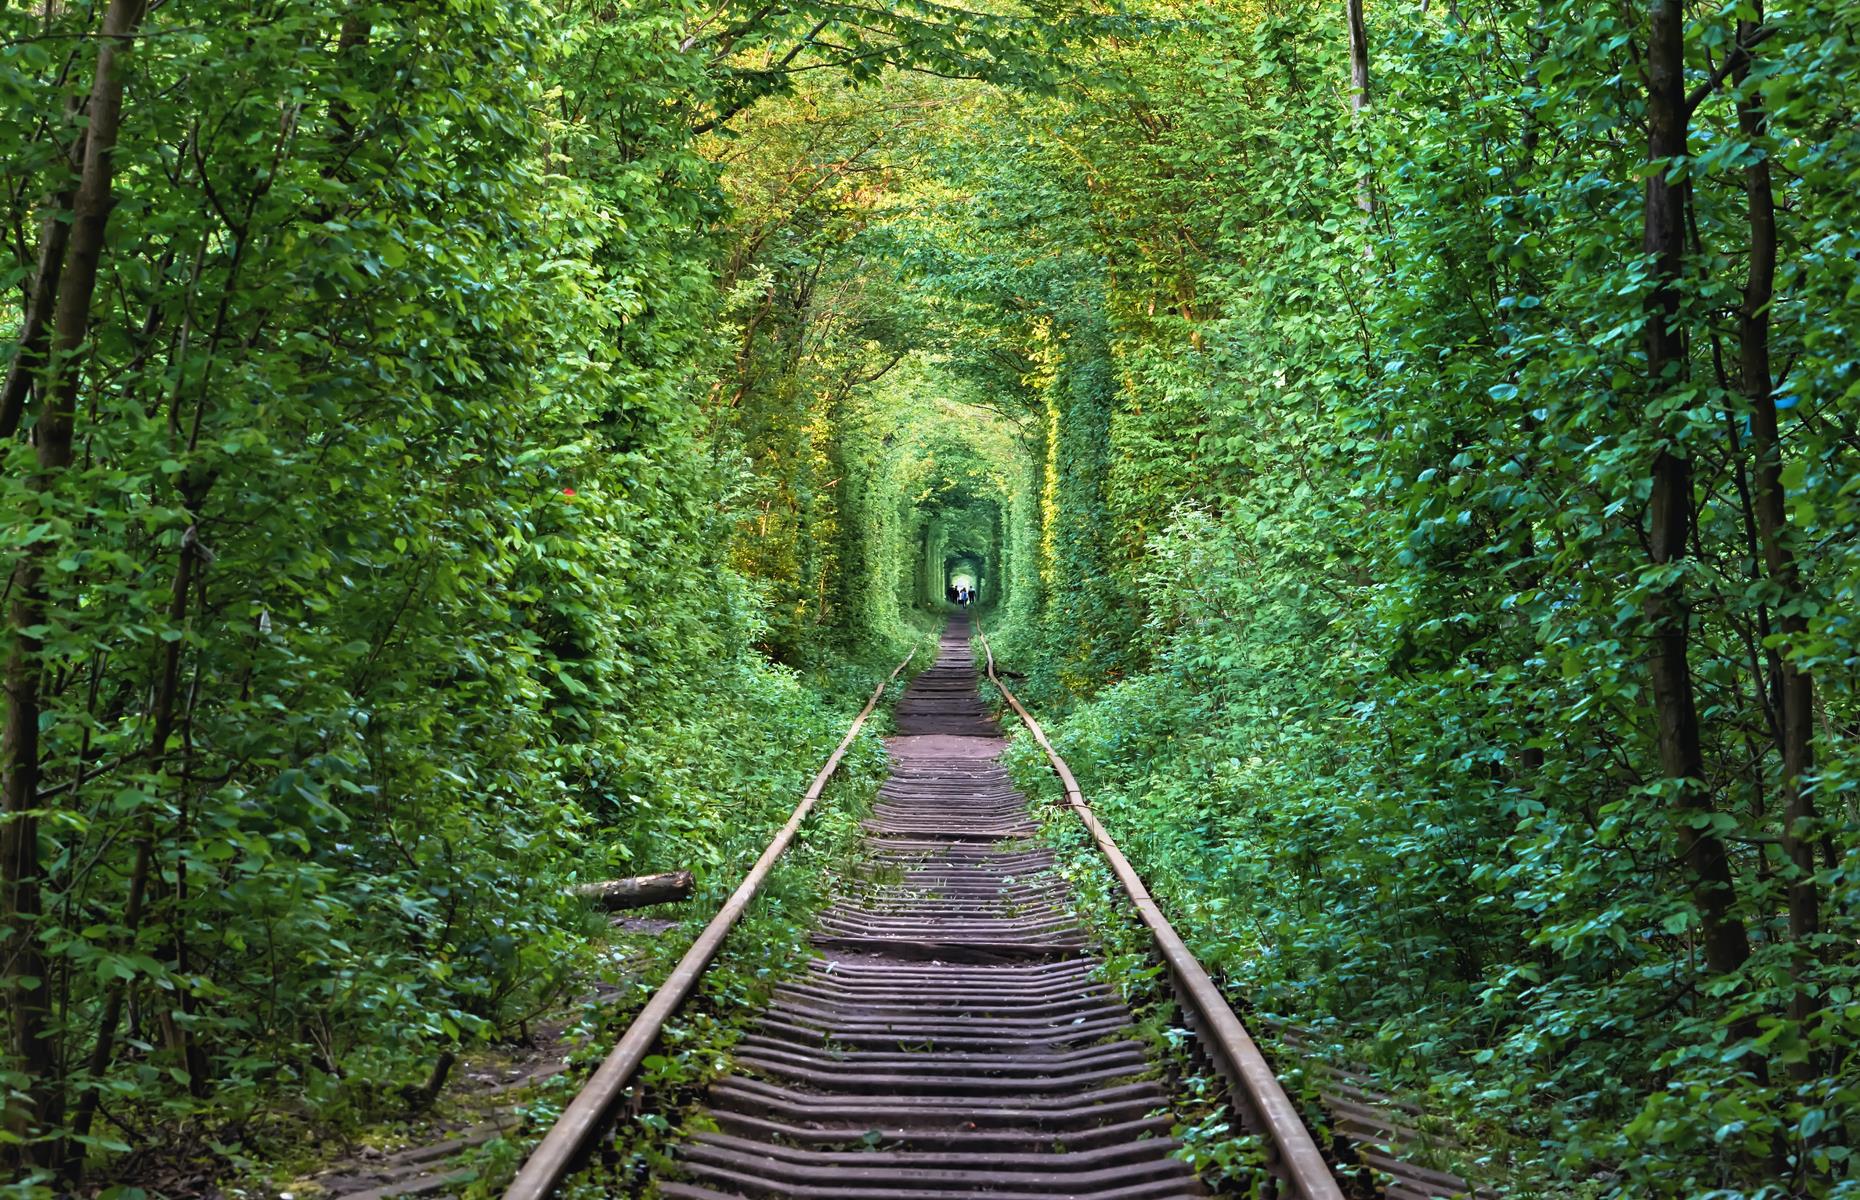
pixel 1295 1156
pixel 568 1140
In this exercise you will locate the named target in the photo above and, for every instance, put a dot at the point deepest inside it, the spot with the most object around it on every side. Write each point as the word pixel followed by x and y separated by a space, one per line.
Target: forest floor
pixel 439 1151
pixel 480 1102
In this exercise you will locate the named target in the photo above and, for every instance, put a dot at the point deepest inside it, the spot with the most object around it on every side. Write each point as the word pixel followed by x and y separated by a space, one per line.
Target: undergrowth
pixel 1214 1143
pixel 769 944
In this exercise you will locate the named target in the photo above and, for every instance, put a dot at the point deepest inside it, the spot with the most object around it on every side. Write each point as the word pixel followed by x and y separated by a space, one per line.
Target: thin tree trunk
pixel 1682 759
pixel 20 902
pixel 1795 689
pixel 1359 90
pixel 1359 56
pixel 167 691
pixel 54 236
pixel 105 1047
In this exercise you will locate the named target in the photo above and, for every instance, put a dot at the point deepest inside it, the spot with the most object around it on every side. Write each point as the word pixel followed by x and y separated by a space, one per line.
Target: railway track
pixel 950 1040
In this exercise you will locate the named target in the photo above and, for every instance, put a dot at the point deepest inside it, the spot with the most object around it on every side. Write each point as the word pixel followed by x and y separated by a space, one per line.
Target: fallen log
pixel 637 891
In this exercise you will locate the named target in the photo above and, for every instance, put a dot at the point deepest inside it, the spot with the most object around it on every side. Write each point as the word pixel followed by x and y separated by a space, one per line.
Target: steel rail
pixel 1249 1076
pixel 563 1147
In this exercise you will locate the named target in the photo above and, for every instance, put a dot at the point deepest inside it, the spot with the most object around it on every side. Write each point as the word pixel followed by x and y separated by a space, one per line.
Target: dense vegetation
pixel 457 448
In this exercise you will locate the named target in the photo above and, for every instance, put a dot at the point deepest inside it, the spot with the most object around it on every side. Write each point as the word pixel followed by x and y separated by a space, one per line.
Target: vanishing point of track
pixel 951 1039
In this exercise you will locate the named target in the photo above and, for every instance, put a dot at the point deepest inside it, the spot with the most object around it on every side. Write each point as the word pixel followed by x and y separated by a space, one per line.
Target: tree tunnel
pixel 960 541
pixel 944 489
pixel 965 569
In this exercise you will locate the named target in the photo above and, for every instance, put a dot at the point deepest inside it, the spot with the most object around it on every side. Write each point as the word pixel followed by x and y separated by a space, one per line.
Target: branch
pixel 882 371
pixel 1734 61
pixel 803 44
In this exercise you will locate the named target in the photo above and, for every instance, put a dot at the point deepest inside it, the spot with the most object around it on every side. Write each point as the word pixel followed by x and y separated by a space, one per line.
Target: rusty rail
pixel 1250 1078
pixel 563 1147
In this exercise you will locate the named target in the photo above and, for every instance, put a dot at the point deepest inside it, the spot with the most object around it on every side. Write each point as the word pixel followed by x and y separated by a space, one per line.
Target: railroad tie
pixel 949 1041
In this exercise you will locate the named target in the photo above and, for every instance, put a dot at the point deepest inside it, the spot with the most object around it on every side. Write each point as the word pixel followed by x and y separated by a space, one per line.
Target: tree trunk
pixel 104 1049
pixel 29 1033
pixel 1682 760
pixel 1359 56
pixel 637 892
pixel 1795 690
pixel 163 719
pixel 421 1098
pixel 54 236
pixel 1359 90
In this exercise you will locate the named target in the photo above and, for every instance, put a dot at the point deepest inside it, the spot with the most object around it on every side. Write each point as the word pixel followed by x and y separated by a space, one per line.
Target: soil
pixel 480 1102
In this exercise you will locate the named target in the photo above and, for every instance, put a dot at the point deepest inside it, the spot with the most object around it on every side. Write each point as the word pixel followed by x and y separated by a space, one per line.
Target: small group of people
pixel 963 594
